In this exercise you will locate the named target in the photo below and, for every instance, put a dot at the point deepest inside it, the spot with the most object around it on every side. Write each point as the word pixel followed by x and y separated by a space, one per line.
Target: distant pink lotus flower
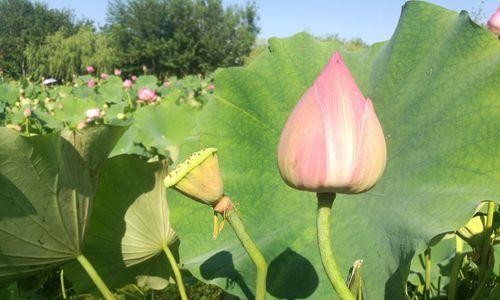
pixel 118 72
pixel 92 113
pixel 146 95
pixel 332 141
pixel 104 75
pixel 90 69
pixel 27 112
pixel 166 84
pixel 127 83
pixel 211 87
pixel 494 22
pixel 91 83
pixel 134 78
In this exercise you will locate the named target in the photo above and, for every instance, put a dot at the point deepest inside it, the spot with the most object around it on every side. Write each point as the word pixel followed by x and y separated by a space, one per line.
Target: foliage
pixel 435 92
pixel 77 183
pixel 23 22
pixel 63 55
pixel 181 37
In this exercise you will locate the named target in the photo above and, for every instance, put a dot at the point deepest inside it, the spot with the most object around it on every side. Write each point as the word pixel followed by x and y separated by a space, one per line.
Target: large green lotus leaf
pixel 72 110
pixel 129 225
pixel 435 87
pixel 112 90
pixel 47 184
pixel 9 93
pixel 166 127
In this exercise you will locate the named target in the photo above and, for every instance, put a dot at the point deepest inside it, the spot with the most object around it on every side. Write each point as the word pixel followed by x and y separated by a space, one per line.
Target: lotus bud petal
pixel 473 231
pixel 494 22
pixel 198 177
pixel 90 69
pixel 81 125
pixel 104 75
pixel 333 141
pixel 118 72
pixel 166 84
pixel 134 78
pixel 91 83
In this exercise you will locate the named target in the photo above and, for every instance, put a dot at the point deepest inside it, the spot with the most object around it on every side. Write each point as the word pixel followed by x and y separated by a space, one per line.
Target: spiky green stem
pixel 252 250
pixel 455 270
pixel 177 272
pixel 325 202
pixel 103 288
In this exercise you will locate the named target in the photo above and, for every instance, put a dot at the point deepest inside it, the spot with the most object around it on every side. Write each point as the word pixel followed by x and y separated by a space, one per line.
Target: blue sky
pixel 371 20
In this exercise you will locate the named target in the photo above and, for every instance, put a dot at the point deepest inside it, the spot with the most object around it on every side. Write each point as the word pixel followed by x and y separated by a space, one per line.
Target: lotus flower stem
pixel 455 270
pixel 177 272
pixel 485 269
pixel 103 288
pixel 252 250
pixel 427 288
pixel 63 288
pixel 325 202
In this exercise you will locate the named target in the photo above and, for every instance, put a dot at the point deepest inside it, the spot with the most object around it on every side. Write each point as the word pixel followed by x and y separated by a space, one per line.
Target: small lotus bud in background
pixel 332 141
pixel 120 116
pixel 127 83
pixel 90 69
pixel 27 112
pixel 134 78
pixel 166 84
pixel 494 22
pixel 211 87
pixel 146 95
pixel 81 125
pixel 104 75
pixel 91 83
pixel 144 69
pixel 198 177
pixel 93 113
pixel 118 72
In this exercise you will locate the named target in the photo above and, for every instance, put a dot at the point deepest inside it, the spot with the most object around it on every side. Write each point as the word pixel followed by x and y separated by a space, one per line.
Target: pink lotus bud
pixel 332 141
pixel 90 69
pixel 211 87
pixel 118 72
pixel 494 22
pixel 27 112
pixel 93 113
pixel 127 83
pixel 104 75
pixel 166 84
pixel 91 83
pixel 134 78
pixel 146 94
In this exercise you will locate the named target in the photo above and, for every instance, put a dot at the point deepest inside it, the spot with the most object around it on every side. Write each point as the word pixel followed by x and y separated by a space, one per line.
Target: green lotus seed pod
pixel 473 231
pixel 198 177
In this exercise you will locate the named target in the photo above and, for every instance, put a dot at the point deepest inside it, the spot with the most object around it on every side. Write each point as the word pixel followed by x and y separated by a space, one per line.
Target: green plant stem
pixel 455 269
pixel 427 289
pixel 325 202
pixel 108 295
pixel 485 270
pixel 252 250
pixel 63 288
pixel 177 272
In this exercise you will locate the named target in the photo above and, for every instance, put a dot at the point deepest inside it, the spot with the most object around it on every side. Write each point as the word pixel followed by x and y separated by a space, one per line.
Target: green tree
pixel 22 23
pixel 179 37
pixel 62 56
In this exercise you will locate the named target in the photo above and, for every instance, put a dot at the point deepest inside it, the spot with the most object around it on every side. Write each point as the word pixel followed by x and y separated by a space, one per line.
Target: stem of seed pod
pixel 103 288
pixel 325 202
pixel 427 289
pixel 457 264
pixel 177 273
pixel 485 269
pixel 250 247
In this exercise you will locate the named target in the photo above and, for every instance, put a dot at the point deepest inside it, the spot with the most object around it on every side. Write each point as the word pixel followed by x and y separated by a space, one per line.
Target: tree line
pixel 165 37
